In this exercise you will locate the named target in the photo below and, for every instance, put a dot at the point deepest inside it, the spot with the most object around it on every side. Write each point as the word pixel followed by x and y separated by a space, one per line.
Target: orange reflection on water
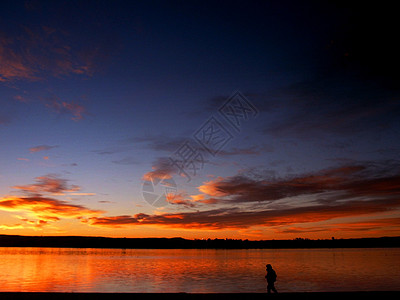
pixel 44 269
pixel 191 270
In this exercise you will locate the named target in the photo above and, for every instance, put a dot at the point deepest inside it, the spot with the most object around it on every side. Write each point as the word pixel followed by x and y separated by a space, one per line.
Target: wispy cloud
pixel 10 227
pixel 162 169
pixel 110 151
pixel 182 198
pixel 179 199
pixel 34 224
pixel 77 111
pixel 114 222
pixel 22 159
pixel 235 218
pixel 41 148
pixel 374 224
pixel 241 202
pixel 50 184
pixel 360 180
pixel 34 53
pixel 82 194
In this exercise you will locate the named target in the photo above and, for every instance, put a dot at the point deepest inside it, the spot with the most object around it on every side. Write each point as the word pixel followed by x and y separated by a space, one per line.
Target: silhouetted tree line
pixel 180 243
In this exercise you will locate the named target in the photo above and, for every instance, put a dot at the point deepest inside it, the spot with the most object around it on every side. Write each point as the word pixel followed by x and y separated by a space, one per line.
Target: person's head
pixel 269 267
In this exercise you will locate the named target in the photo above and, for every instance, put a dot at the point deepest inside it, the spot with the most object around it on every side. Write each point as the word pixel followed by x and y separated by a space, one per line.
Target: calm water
pixel 195 271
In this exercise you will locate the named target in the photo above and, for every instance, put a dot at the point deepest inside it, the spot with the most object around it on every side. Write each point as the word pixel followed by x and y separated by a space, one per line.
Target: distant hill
pixel 180 243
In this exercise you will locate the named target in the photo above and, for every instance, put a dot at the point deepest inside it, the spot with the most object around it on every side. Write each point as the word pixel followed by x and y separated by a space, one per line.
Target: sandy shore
pixel 176 296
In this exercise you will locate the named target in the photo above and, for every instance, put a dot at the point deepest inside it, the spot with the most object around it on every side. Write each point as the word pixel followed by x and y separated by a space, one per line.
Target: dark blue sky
pixel 99 97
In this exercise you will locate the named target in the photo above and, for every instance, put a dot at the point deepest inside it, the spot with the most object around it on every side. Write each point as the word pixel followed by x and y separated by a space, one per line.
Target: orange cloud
pixel 36 224
pixel 10 227
pixel 162 169
pixel 180 199
pixel 156 175
pixel 235 218
pixel 46 209
pixel 212 188
pixel 114 222
pixel 347 191
pixel 82 194
pixel 198 197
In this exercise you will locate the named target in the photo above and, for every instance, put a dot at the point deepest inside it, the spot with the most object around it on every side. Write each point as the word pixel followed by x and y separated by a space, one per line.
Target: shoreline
pixel 181 243
pixel 219 296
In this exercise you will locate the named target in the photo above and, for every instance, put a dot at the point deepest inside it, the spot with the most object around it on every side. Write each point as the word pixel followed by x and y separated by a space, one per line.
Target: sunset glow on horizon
pixel 198 120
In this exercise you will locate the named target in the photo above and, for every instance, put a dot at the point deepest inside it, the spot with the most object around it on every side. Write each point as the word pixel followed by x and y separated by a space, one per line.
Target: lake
pixel 197 270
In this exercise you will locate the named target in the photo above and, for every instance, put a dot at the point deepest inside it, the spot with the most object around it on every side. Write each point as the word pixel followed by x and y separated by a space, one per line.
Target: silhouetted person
pixel 271 278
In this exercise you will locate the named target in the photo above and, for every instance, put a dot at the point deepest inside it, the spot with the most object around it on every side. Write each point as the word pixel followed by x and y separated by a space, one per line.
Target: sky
pixel 199 119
